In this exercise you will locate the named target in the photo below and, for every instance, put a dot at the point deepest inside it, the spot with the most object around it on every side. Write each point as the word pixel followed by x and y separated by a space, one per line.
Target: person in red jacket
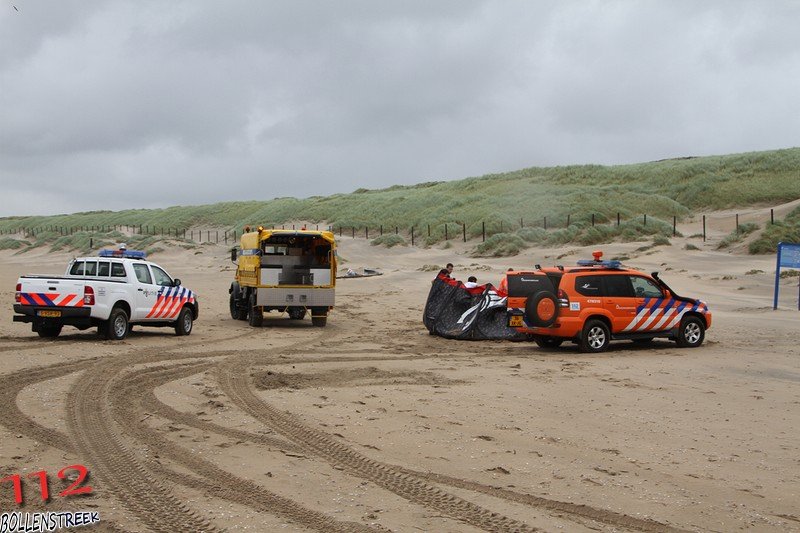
pixel 502 289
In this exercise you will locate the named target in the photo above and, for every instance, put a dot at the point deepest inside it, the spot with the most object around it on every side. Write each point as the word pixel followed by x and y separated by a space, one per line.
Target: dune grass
pixel 500 203
pixel 786 230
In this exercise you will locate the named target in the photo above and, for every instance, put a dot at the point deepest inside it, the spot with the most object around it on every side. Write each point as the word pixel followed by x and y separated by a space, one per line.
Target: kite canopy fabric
pixel 455 312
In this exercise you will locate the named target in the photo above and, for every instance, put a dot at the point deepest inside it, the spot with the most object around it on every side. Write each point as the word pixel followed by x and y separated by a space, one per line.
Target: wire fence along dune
pixel 586 228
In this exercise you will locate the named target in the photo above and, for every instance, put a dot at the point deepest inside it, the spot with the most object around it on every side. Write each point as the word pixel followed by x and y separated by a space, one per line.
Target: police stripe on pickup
pixel 50 299
pixel 170 301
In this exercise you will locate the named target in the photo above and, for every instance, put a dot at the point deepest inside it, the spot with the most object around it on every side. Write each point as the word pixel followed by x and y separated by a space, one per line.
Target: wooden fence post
pixel 704 228
pixel 483 231
pixel 464 230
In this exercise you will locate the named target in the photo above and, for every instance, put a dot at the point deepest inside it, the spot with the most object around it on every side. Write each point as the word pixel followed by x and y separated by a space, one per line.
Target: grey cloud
pixel 152 104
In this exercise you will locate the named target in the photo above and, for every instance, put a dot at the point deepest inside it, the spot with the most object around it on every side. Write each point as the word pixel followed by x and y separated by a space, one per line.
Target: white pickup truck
pixel 111 291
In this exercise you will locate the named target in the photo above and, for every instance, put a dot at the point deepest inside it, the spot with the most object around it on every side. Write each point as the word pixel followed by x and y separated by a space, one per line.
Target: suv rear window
pixel 528 284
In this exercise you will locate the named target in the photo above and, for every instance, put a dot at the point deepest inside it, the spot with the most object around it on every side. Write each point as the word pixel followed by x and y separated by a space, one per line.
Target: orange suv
pixel 598 301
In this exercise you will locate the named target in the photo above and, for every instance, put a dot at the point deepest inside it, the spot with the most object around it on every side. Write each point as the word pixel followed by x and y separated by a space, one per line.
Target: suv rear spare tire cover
pixel 542 309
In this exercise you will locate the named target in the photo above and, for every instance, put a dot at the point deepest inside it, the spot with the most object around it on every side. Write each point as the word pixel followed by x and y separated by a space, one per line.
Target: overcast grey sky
pixel 128 104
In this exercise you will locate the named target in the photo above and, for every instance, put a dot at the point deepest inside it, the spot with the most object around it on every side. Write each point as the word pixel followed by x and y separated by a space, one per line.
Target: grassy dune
pixel 660 189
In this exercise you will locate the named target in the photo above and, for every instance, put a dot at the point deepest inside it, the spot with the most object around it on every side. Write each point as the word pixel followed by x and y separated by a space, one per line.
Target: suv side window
pixel 645 288
pixel 618 285
pixel 102 268
pixel 142 273
pixel 588 285
pixel 161 277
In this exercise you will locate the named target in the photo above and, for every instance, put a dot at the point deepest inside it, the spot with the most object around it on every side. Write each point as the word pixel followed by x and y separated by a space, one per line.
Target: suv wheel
pixel 595 336
pixel 548 342
pixel 691 333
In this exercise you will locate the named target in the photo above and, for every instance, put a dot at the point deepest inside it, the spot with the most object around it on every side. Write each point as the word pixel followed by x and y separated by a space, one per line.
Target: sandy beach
pixel 373 424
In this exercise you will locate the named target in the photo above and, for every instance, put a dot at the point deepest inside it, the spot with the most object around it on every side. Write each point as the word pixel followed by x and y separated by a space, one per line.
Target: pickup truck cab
pixel 111 291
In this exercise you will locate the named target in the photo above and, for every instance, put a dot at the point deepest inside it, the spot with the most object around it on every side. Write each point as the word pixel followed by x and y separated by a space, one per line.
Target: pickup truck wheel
pixel 256 315
pixel 49 331
pixel 691 333
pixel 117 325
pixel 595 336
pixel 183 326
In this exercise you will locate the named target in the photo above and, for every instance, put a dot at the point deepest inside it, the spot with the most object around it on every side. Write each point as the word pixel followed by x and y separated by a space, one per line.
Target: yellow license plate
pixel 49 314
pixel 515 321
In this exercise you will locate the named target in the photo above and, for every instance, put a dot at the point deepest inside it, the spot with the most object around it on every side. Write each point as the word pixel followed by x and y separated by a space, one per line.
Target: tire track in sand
pixel 149 403
pixel 129 389
pixel 234 380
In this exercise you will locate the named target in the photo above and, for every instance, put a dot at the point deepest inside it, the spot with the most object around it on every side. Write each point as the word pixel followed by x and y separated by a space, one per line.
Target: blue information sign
pixel 788 257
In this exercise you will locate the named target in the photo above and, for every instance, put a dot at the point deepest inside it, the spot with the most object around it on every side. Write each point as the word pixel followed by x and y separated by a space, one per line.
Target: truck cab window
pixel 117 270
pixel 77 268
pixel 142 273
pixel 161 277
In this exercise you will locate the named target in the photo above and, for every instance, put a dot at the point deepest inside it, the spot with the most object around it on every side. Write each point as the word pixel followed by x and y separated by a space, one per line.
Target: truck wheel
pixel 296 313
pixel 49 331
pixel 183 326
pixel 116 327
pixel 595 336
pixel 238 311
pixel 256 313
pixel 319 321
pixel 691 333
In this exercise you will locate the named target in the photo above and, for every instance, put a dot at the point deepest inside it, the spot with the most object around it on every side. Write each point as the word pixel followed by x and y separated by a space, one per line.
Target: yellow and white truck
pixel 284 270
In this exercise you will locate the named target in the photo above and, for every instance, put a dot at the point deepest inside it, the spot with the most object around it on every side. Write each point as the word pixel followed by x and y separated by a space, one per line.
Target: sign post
pixel 788 257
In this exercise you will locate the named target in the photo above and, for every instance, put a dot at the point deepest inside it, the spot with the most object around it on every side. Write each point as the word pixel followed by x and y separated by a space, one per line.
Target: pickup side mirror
pixel 176 282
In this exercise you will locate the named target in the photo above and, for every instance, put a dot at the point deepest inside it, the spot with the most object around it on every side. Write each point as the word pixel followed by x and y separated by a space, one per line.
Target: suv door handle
pixel 141 289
